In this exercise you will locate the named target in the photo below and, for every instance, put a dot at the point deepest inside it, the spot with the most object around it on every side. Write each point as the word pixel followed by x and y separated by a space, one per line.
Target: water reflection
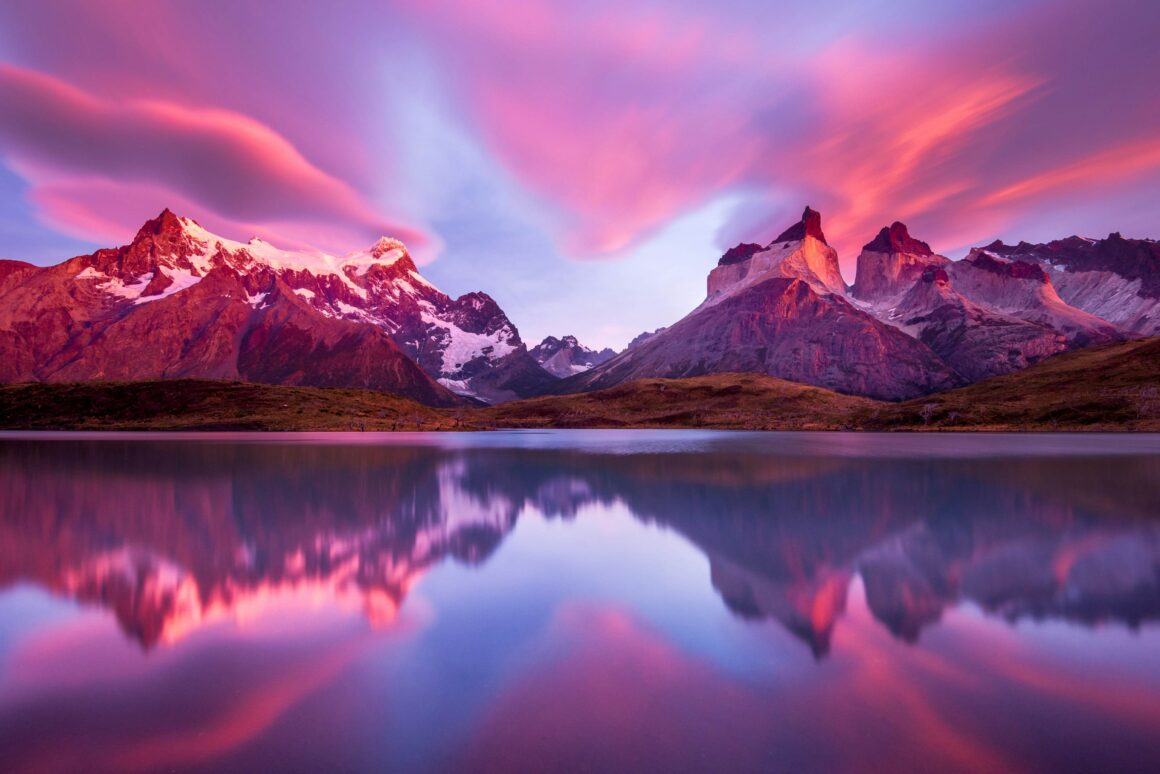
pixel 174 538
pixel 167 536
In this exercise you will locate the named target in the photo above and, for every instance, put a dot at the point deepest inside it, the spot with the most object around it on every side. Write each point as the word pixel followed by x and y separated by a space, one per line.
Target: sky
pixel 585 163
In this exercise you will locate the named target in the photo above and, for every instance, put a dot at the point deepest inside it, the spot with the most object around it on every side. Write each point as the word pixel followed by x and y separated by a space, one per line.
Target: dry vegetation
pixel 1112 387
pixel 207 405
pixel 733 401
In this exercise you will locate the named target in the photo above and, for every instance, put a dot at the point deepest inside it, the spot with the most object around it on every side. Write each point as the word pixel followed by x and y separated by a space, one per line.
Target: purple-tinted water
pixel 586 600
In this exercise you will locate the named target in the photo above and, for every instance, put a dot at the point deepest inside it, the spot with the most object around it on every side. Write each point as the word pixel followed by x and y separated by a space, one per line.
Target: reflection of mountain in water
pixel 171 535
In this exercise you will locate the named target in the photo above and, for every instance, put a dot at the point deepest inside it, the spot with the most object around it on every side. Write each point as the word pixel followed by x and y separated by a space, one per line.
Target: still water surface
pixel 592 600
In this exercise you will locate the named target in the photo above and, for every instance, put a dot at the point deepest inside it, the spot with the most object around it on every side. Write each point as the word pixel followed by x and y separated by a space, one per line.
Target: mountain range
pixel 181 302
pixel 913 323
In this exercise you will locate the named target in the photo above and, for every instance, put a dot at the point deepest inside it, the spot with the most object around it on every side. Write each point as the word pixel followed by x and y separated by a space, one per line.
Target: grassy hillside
pixel 1115 387
pixel 736 401
pixel 207 405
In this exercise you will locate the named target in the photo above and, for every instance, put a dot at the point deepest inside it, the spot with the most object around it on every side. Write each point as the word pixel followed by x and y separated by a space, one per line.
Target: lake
pixel 579 600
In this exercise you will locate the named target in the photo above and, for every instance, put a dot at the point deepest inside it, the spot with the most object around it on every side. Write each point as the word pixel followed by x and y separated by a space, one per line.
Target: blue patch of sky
pixel 23 236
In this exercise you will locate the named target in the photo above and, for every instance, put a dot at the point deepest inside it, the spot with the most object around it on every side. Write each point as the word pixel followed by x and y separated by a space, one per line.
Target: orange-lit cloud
pixel 1132 159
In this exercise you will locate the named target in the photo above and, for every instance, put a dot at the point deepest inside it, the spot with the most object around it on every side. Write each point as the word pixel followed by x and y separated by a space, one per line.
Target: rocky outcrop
pixel 799 252
pixel 976 341
pixel 891 264
pixel 985 315
pixel 641 338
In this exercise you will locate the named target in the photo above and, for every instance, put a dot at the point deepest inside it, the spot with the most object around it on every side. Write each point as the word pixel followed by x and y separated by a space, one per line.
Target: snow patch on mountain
pixel 385 252
pixel 131 291
pixel 464 347
pixel 180 279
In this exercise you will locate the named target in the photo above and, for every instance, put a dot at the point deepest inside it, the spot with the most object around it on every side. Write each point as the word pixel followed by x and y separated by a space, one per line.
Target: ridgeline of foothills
pixel 182 329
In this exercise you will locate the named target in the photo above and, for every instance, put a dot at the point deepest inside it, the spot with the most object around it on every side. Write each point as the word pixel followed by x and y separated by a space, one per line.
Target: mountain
pixel 1057 394
pixel 361 534
pixel 904 283
pixel 890 264
pixel 1023 289
pixel 976 341
pixel 180 302
pixel 782 310
pixel 894 264
pixel 799 252
pixel 1115 278
pixel 566 356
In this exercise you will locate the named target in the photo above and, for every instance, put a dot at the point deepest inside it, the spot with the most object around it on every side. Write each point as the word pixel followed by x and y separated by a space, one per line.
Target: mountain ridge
pixel 181 302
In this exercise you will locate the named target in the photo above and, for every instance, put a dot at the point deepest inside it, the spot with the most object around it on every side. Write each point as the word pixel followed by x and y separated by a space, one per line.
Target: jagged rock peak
pixel 984 259
pixel 739 253
pixel 895 238
pixel 165 224
pixel 809 225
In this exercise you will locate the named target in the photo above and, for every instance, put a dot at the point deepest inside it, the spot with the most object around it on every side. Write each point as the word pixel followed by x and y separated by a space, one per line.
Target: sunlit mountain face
pixel 309 597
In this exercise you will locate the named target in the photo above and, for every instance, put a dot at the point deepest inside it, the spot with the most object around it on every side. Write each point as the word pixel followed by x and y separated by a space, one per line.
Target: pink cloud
pixel 628 121
pixel 74 147
pixel 893 128
pixel 615 117
pixel 1132 159
pixel 646 701
pixel 630 118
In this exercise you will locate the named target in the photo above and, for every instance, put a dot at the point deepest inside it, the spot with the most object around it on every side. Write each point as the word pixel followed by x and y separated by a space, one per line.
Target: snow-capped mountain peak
pixel 244 298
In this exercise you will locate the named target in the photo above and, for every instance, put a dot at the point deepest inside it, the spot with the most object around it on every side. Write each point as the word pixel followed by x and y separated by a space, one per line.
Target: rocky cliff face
pixel 785 328
pixel 889 265
pixel 179 301
pixel 799 252
pixel 1115 278
pixel 904 283
pixel 1024 290
pixel 784 310
pixel 976 341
